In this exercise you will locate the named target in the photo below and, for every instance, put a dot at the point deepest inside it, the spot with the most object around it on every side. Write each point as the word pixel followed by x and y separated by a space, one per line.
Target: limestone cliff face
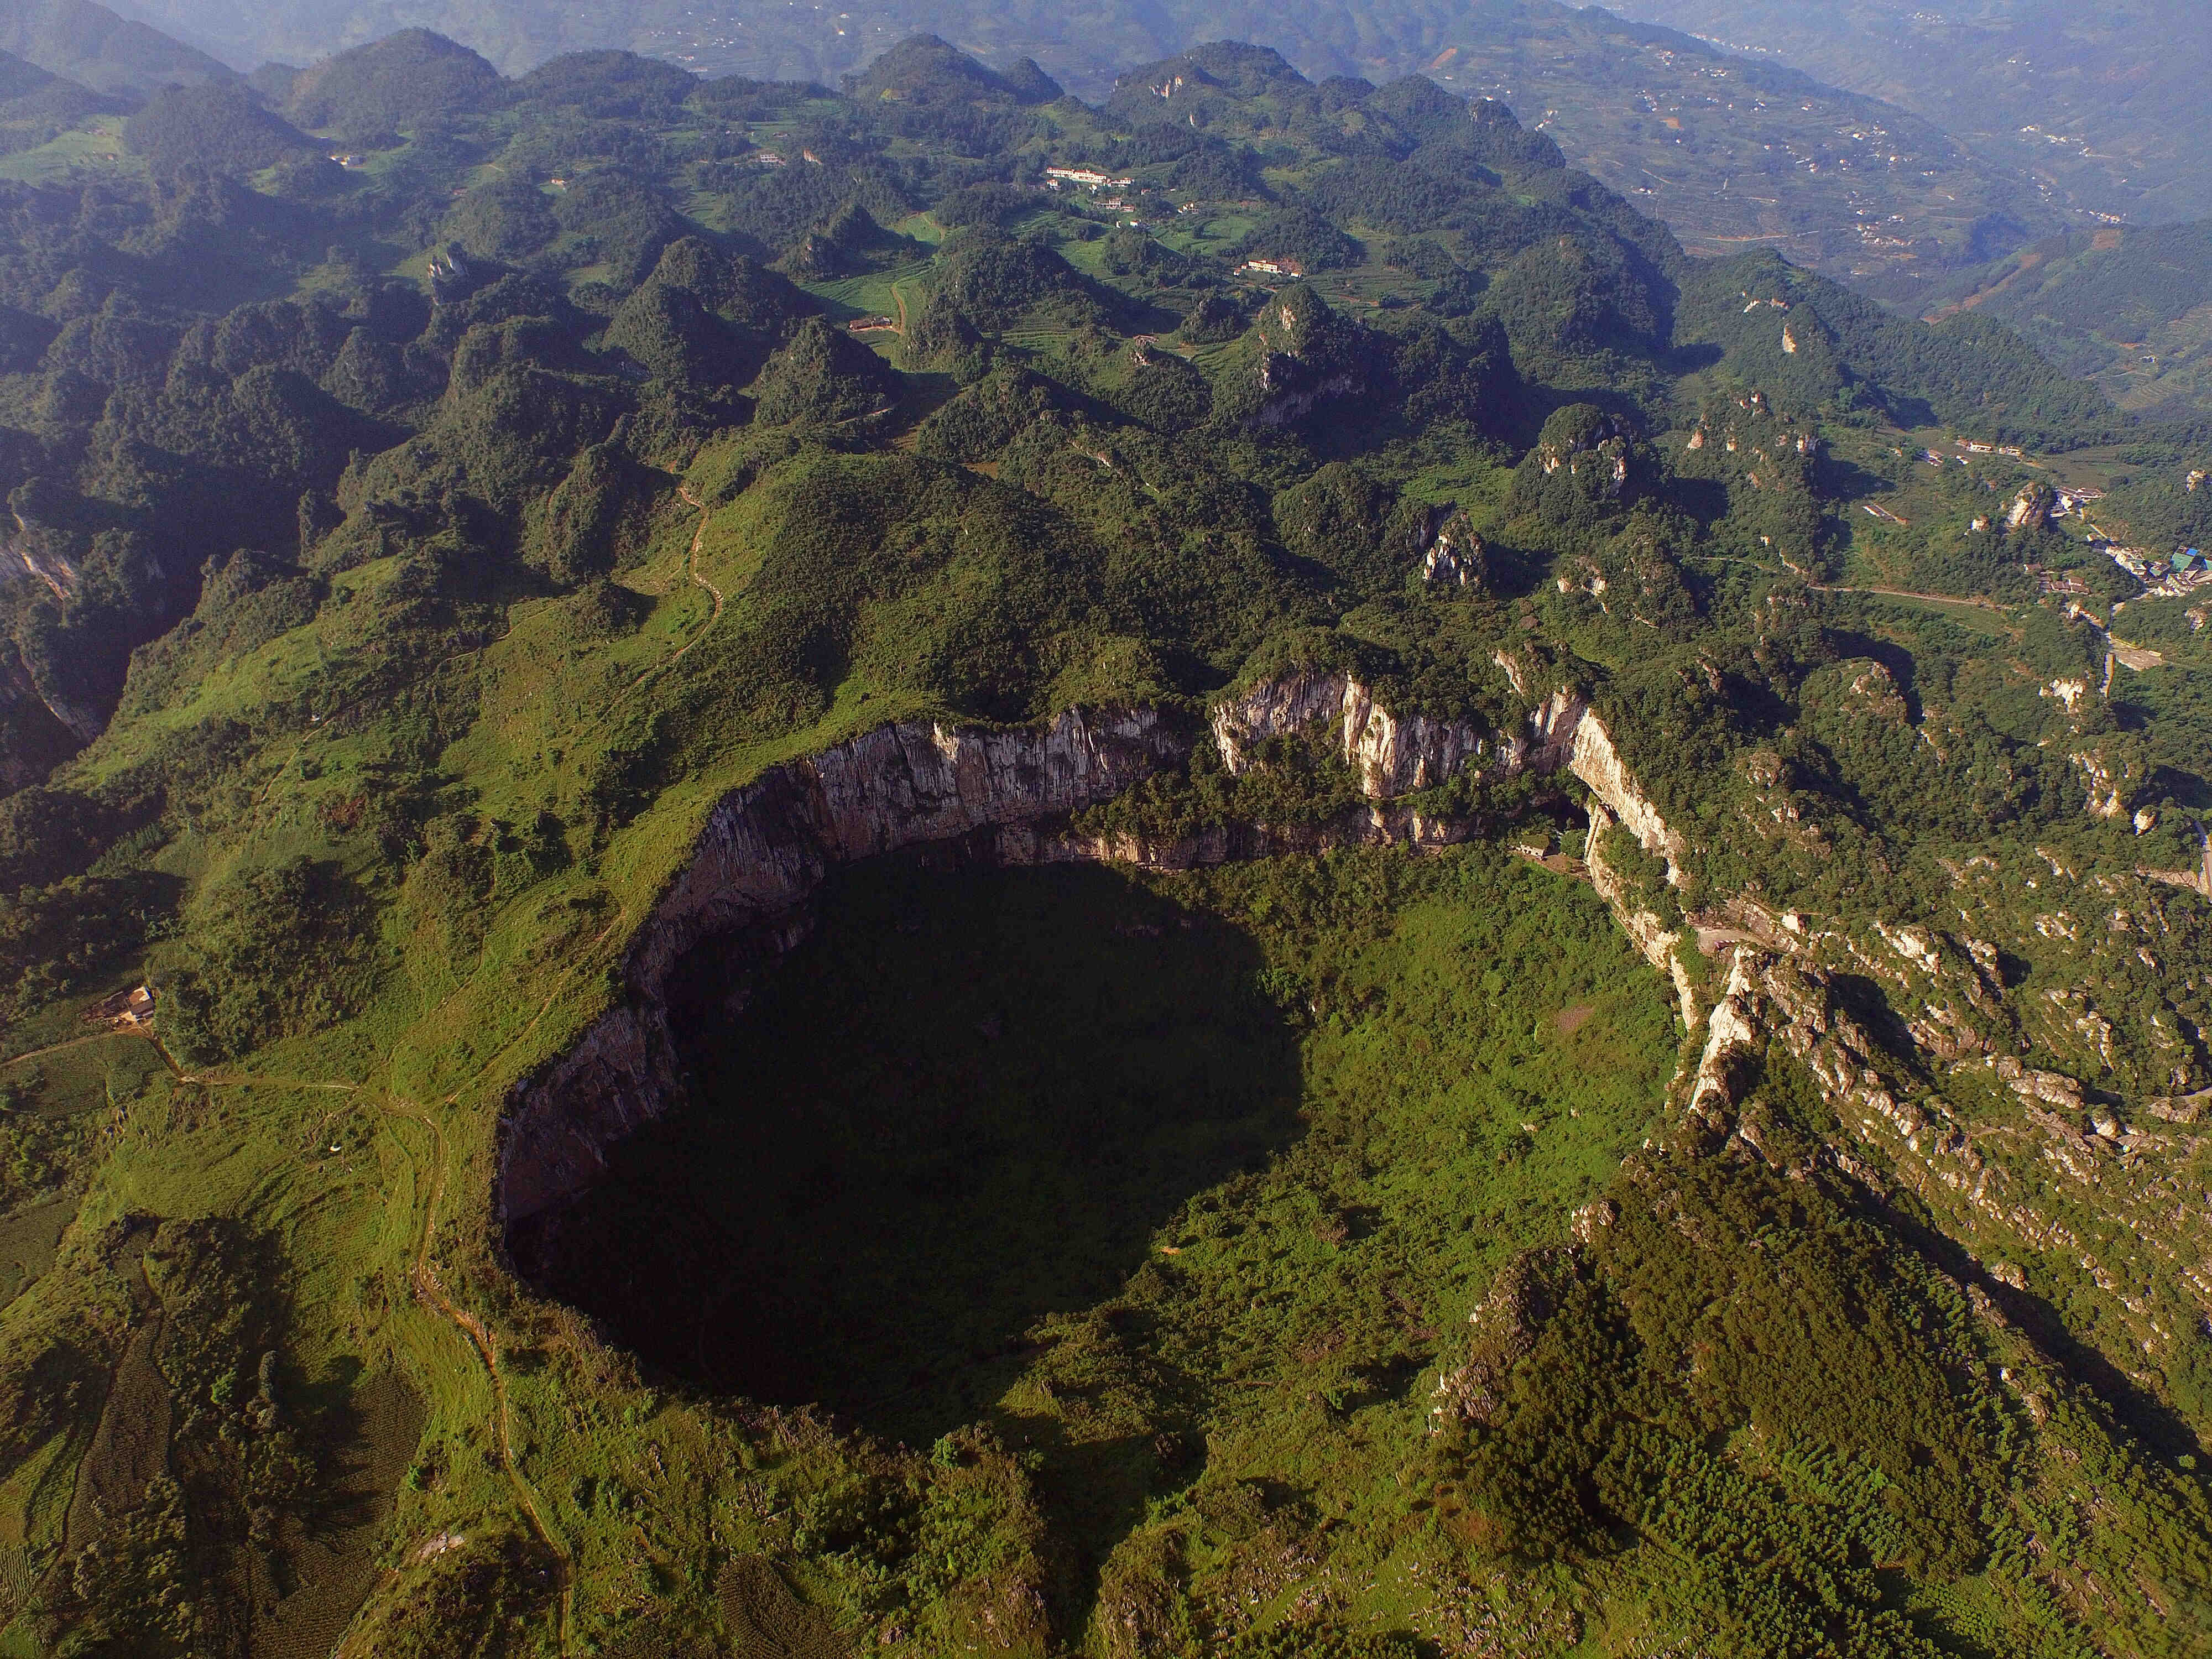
pixel 1617 797
pixel 1390 755
pixel 1373 825
pixel 1782 998
pixel 1644 929
pixel 1732 1032
pixel 561 1123
pixel 1599 766
pixel 1308 356
pixel 768 845
pixel 763 852
pixel 43 738
pixel 1001 798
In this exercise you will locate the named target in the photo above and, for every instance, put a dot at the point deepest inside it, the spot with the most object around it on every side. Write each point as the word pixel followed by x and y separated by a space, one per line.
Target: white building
pixel 1089 176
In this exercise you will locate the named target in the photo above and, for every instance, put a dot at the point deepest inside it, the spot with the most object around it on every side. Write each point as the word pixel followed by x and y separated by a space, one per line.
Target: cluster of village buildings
pixel 2164 577
pixel 2167 576
pixel 1092 179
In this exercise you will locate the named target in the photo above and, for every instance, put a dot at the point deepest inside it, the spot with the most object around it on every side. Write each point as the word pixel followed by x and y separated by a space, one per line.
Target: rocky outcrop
pixel 1501 1332
pixel 42 562
pixel 1797 1005
pixel 1599 765
pixel 1390 755
pixel 2113 774
pixel 999 797
pixel 763 852
pixel 2032 509
pixel 1308 355
pixel 1455 556
pixel 1732 1032
pixel 1587 443
pixel 1650 934
pixel 2002 1184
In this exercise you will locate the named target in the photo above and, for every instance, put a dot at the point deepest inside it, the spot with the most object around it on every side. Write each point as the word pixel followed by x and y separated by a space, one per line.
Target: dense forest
pixel 1732 1189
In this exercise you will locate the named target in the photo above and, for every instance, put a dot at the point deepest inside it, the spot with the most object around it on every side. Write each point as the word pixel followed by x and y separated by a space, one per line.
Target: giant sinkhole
pixel 963 1101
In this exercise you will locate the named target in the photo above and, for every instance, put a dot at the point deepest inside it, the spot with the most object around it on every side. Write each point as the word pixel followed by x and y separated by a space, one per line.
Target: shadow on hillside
pixel 965 1103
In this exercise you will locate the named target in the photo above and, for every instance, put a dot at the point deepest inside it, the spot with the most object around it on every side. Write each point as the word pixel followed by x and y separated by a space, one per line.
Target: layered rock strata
pixel 1392 754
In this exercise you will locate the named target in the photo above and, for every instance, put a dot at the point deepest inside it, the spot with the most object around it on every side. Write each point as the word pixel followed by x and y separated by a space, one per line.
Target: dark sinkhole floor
pixel 965 1103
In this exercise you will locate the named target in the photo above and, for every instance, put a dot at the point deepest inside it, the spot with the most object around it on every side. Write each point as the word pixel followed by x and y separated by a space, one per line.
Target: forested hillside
pixel 930 869
pixel 2130 309
pixel 1727 149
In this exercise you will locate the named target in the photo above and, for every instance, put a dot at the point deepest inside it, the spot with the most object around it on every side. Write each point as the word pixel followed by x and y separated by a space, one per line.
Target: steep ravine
pixel 1005 798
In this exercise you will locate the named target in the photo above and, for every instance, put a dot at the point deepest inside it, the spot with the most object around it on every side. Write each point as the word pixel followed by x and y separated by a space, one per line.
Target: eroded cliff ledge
pixel 1001 797
pixel 764 850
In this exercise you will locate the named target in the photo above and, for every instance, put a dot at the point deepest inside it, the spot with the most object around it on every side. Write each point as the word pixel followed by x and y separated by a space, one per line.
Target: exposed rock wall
pixel 1231 843
pixel 1785 1000
pixel 1002 798
pixel 1390 755
pixel 1598 764
pixel 764 850
pixel 1645 930
pixel 1732 1032
pixel 768 846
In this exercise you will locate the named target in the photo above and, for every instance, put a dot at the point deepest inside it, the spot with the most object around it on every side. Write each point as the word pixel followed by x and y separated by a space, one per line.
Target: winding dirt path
pixel 690 570
pixel 691 565
pixel 422 1277
pixel 71 1043
pixel 422 1272
pixel 560 985
pixel 1905 594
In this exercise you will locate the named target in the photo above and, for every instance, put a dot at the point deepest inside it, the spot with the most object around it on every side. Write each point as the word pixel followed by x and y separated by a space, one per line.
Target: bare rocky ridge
pixel 2007 1187
pixel 1390 755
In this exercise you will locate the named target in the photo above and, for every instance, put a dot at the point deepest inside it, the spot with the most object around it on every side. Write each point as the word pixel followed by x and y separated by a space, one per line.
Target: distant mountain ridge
pixel 1733 152
pixel 2103 102
pixel 100 49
